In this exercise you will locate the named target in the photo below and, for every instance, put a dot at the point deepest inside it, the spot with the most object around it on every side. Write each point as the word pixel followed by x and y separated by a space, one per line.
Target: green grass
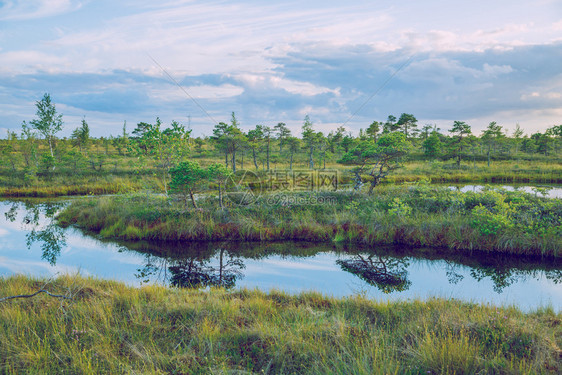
pixel 74 174
pixel 505 172
pixel 111 328
pixel 67 186
pixel 420 216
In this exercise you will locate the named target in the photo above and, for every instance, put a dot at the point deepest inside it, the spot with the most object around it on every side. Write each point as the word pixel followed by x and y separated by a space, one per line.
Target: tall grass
pixel 498 221
pixel 506 172
pixel 124 173
pixel 63 185
pixel 111 328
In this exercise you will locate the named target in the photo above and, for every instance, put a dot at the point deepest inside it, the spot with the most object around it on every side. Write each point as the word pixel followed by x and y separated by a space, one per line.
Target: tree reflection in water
pixel 44 230
pixel 195 271
pixel 504 277
pixel 388 274
pixel 503 271
pixel 451 271
pixel 191 273
pixel 201 265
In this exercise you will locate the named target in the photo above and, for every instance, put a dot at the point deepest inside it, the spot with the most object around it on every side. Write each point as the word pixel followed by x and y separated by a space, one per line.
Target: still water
pixel 547 191
pixel 31 243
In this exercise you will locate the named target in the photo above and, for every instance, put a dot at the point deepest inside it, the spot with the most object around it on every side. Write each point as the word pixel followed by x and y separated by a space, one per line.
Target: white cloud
pixel 494 70
pixel 27 267
pixel 531 121
pixel 310 265
pixel 174 93
pixel 208 37
pixel 541 96
pixel 16 10
pixel 30 62
pixel 267 82
pixel 314 112
pixel 278 59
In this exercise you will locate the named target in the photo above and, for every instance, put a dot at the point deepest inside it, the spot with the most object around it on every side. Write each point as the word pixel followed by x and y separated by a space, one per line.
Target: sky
pixel 341 63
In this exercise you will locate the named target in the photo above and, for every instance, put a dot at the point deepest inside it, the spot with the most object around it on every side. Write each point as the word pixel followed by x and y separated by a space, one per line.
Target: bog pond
pixel 31 243
pixel 546 190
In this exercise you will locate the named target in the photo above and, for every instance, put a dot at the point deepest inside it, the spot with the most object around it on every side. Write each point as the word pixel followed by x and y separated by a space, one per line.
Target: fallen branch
pixel 34 294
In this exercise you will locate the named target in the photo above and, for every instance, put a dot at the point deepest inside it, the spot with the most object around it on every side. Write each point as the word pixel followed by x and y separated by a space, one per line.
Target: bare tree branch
pixel 34 294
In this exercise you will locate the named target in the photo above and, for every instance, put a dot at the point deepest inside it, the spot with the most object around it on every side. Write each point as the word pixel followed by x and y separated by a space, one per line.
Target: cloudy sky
pixel 277 61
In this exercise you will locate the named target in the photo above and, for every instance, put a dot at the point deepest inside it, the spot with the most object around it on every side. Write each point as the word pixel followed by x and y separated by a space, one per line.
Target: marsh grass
pixel 505 171
pixel 414 215
pixel 76 185
pixel 127 174
pixel 111 328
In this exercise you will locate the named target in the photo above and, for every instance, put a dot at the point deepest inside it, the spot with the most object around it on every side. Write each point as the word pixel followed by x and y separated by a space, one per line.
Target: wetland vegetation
pixel 351 191
pixel 338 268
pixel 111 328
pixel 421 215
pixel 36 162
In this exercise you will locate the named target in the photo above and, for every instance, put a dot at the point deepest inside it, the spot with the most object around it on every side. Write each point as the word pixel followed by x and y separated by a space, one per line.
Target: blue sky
pixel 278 61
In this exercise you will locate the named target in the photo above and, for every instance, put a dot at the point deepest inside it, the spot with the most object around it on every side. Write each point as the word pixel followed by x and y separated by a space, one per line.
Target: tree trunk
pixel 51 149
pixel 267 154
pixel 220 266
pixel 311 160
pixel 192 198
pixel 376 178
pixel 291 161
pixel 373 184
pixel 358 181
pixel 233 160
pixel 254 155
pixel 220 196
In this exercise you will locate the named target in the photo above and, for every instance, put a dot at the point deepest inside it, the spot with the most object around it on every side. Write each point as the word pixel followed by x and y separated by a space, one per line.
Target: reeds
pixel 111 328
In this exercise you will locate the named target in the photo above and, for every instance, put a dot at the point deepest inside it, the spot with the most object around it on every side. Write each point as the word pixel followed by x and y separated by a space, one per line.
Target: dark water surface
pixel 31 243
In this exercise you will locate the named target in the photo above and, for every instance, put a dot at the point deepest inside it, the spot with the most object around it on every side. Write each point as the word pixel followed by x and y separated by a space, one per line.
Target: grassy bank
pixel 111 328
pixel 423 215
pixel 504 172
pixel 65 185
pixel 126 176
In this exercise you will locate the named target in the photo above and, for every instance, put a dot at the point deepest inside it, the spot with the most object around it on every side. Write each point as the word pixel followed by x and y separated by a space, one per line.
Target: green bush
pixel 399 208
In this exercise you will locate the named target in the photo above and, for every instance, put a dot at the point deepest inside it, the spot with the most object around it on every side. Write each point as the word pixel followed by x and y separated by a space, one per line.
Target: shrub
pixel 399 208
pixel 492 221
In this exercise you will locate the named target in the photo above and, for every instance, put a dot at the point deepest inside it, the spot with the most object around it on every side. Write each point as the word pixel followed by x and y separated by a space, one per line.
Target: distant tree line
pixel 378 148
